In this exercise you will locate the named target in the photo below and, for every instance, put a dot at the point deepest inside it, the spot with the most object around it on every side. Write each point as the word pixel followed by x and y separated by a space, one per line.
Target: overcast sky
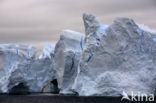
pixel 37 22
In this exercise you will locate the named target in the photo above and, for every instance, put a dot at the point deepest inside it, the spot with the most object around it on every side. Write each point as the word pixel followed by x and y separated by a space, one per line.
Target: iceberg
pixel 108 60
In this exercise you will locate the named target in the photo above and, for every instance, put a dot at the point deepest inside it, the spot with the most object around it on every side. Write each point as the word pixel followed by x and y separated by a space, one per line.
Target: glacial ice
pixel 123 60
pixel 67 54
pixel 21 66
pixel 106 61
pixel 48 51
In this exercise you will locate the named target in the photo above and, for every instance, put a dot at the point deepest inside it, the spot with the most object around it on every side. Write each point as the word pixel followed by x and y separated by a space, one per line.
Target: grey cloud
pixel 35 21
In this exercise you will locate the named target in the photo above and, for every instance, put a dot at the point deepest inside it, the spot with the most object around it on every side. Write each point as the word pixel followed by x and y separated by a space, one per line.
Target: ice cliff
pixel 20 67
pixel 67 55
pixel 122 59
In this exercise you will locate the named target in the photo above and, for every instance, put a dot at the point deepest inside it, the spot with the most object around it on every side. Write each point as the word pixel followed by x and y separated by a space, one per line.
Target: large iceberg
pixel 122 59
pixel 108 61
